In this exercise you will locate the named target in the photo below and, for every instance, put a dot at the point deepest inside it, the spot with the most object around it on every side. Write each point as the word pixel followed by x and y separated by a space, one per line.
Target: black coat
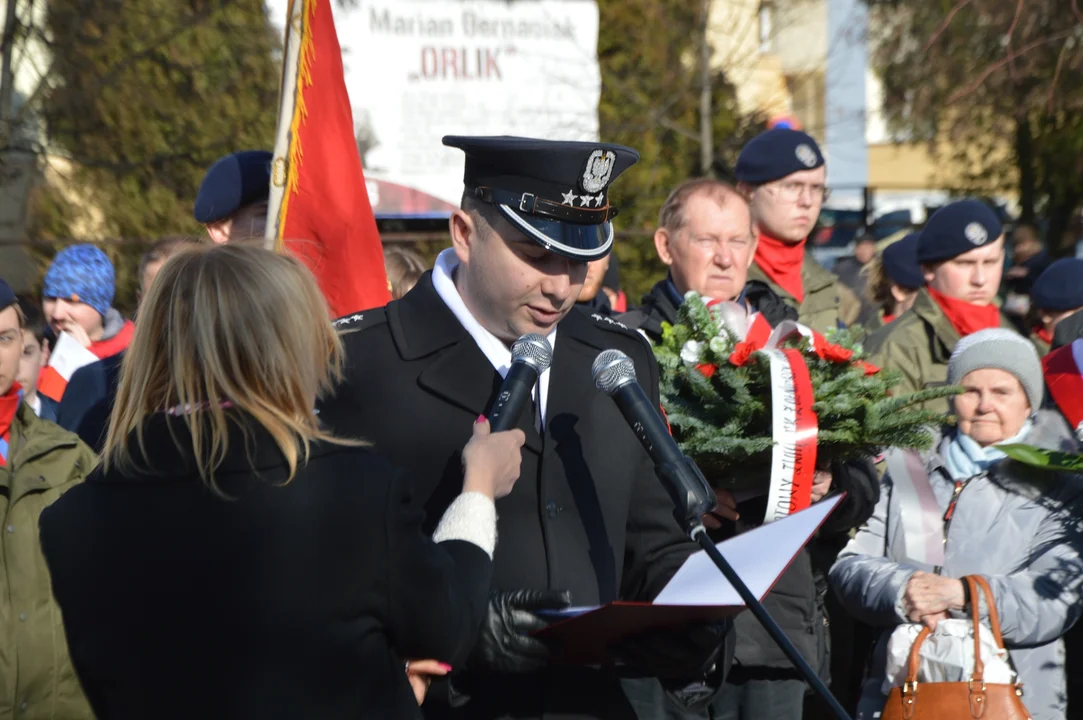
pixel 283 601
pixel 587 514
pixel 658 306
pixel 88 400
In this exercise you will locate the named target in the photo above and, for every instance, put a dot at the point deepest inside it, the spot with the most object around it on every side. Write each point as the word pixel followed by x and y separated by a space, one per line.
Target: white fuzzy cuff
pixel 471 517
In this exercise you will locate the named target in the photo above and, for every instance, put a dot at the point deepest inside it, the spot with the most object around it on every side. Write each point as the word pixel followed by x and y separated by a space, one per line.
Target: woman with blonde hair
pixel 230 558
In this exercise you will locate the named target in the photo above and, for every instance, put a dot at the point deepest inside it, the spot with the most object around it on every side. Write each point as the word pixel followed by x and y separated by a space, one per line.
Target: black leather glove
pixel 505 644
pixel 688 654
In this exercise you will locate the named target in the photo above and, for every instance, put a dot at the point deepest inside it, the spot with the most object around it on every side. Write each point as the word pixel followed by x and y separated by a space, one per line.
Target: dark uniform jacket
pixel 587 514
pixel 797 599
pixel 88 400
pixel 281 600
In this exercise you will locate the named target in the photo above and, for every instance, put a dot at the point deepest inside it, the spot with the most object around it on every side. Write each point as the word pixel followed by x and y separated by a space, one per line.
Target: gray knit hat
pixel 1002 349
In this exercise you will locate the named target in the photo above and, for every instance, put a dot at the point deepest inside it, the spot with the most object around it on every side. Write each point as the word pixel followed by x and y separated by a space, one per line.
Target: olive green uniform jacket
pixel 827 303
pixel 37 681
pixel 918 343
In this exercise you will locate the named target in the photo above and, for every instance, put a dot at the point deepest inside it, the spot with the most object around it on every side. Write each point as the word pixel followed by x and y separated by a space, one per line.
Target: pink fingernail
pixel 481 419
pixel 445 667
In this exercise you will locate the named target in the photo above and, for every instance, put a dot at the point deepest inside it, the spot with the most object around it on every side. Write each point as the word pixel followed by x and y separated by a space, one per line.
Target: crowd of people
pixel 237 506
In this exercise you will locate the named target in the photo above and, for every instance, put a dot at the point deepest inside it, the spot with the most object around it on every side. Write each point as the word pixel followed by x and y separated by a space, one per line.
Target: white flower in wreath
pixel 734 316
pixel 720 346
pixel 692 352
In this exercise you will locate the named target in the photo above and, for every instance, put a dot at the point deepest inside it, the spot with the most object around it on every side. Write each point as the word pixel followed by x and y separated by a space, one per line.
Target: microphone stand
pixel 695 494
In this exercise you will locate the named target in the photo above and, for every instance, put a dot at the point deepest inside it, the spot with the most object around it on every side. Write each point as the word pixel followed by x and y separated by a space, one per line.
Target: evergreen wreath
pixel 716 393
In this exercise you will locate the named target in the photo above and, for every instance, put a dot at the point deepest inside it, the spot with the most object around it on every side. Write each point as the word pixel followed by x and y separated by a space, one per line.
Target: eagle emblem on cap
pixel 598 170
pixel 805 155
pixel 975 233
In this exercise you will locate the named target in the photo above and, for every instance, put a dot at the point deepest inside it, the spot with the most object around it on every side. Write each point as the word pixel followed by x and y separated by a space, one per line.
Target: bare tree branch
pixel 1056 73
pixel 977 82
pixel 1011 36
pixel 944 25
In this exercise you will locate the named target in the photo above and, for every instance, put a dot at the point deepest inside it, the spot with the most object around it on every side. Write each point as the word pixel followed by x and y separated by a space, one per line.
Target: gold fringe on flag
pixel 306 57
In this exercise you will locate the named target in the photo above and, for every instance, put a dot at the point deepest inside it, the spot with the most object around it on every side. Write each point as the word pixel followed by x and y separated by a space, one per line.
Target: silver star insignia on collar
pixel 569 197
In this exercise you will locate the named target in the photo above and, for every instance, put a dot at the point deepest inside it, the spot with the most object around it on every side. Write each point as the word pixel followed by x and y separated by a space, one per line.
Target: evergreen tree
pixel 143 97
pixel 647 52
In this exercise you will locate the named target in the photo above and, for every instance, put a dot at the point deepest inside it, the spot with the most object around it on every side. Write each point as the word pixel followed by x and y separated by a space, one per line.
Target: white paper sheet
pixel 68 356
pixel 758 556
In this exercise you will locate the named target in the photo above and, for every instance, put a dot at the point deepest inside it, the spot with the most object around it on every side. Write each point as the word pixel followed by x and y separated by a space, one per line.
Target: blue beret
pixel 900 261
pixel 7 295
pixel 82 273
pixel 957 228
pixel 233 182
pixel 1060 287
pixel 775 154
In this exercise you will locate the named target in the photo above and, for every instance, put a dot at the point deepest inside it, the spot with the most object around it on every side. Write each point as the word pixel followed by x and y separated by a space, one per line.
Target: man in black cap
pixel 232 199
pixel 588 522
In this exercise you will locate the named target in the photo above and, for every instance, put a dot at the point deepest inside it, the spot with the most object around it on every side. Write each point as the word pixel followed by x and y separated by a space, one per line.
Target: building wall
pixel 743 46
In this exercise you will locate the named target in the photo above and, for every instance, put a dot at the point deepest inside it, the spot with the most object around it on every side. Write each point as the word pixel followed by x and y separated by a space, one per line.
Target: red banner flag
pixel 319 208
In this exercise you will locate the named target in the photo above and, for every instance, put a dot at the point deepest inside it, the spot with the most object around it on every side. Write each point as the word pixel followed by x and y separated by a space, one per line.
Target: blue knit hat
pixel 900 261
pixel 1060 287
pixel 775 154
pixel 957 228
pixel 82 273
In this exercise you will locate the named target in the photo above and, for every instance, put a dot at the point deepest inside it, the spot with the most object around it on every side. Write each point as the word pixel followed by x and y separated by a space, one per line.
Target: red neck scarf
pixel 9 403
pixel 887 318
pixel 966 317
pixel 116 344
pixel 781 262
pixel 1044 335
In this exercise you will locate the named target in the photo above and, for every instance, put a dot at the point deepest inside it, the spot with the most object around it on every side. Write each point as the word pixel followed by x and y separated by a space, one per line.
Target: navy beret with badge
pixel 233 182
pixel 775 154
pixel 554 192
pixel 957 228
pixel 900 262
pixel 7 295
pixel 1059 288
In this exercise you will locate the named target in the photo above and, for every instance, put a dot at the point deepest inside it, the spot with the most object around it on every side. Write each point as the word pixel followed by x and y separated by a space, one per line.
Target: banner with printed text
pixel 417 70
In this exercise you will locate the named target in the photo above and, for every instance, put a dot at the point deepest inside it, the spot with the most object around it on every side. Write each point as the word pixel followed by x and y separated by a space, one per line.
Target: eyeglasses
pixel 791 192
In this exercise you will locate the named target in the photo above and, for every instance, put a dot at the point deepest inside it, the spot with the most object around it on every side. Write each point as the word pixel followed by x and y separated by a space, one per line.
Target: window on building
pixel 767 21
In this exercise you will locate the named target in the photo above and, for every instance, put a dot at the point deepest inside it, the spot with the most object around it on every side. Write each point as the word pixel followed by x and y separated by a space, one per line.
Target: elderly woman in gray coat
pixel 965 509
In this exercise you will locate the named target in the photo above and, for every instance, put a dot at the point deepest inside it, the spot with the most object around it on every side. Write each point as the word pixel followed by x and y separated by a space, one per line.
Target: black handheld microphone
pixel 615 375
pixel 530 357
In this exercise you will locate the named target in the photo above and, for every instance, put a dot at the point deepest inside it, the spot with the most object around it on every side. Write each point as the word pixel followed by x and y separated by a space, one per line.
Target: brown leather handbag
pixel 973 699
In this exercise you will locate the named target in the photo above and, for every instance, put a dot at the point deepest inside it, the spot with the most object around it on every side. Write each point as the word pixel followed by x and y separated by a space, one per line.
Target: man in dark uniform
pixel 588 521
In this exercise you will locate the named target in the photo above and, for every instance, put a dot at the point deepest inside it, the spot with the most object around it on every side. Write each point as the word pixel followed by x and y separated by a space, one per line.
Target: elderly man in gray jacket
pixel 1017 526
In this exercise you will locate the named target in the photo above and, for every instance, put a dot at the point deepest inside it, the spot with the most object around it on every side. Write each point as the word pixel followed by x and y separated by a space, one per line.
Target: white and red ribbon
pixel 794 429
